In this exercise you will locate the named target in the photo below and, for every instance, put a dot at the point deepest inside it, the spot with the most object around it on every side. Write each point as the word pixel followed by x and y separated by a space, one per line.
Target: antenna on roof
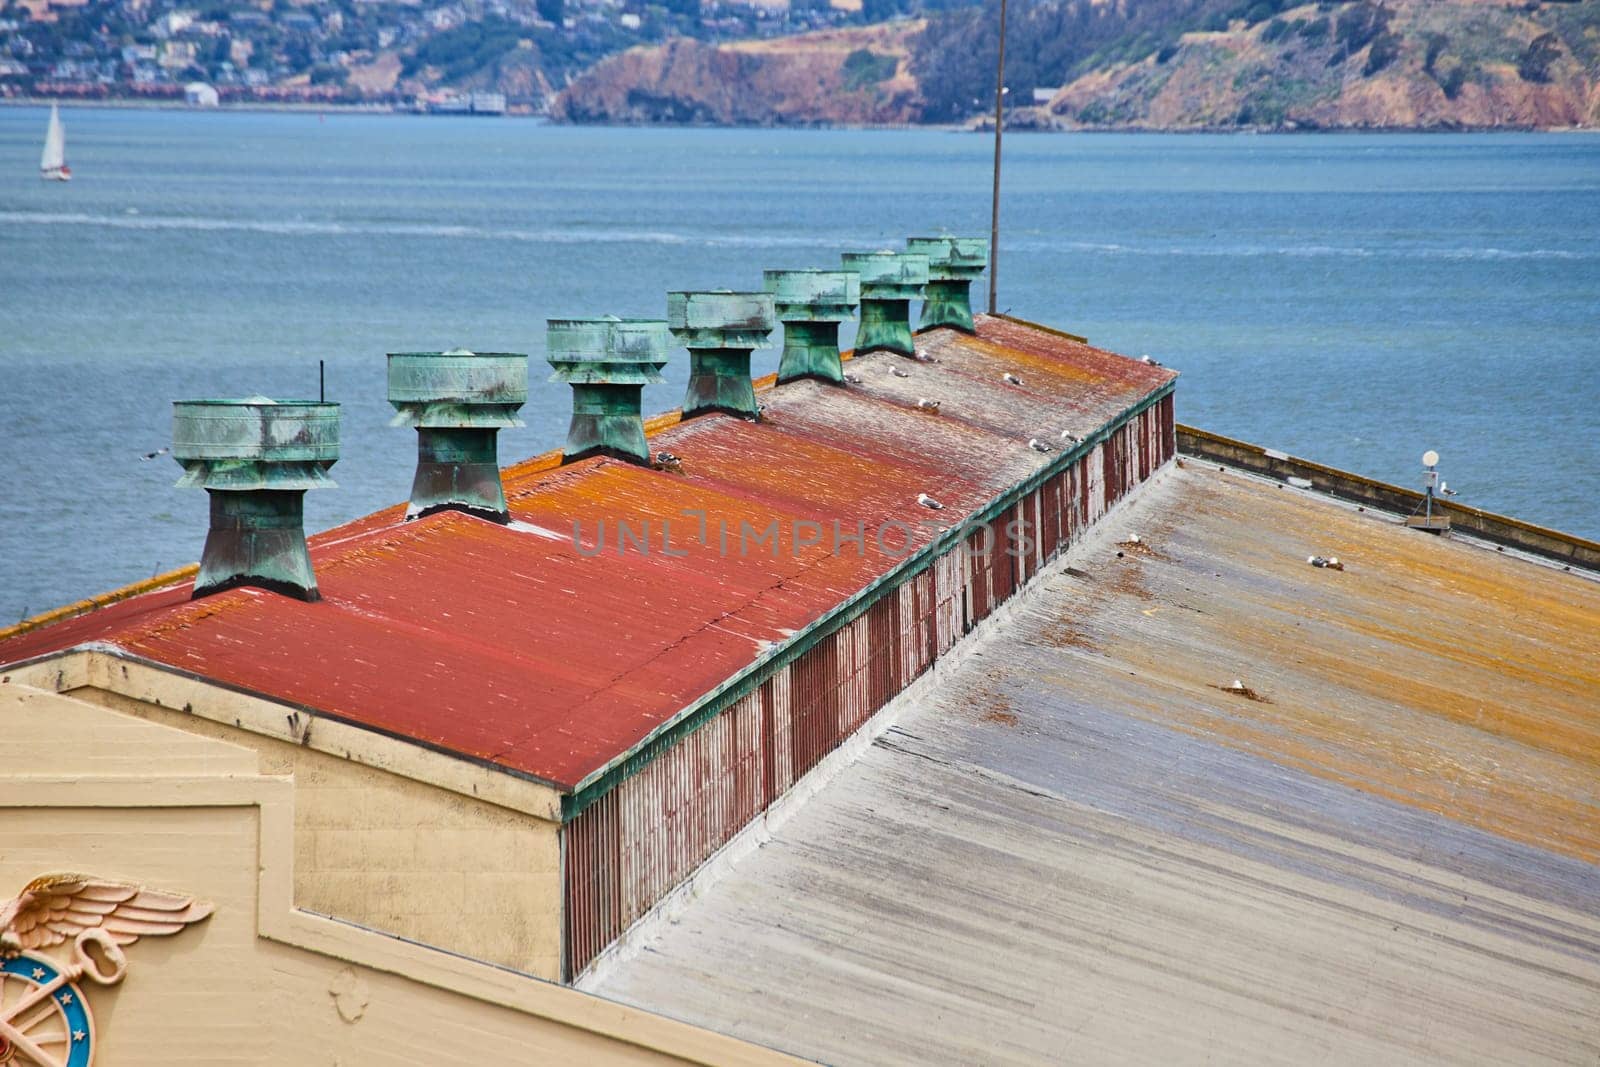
pixel 1428 520
pixel 999 121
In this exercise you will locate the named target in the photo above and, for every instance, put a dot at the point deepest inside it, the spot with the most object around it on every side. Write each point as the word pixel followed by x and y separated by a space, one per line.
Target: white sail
pixel 54 159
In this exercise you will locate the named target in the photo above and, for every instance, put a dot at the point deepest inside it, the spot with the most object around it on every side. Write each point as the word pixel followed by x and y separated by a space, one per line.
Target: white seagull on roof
pixel 928 405
pixel 1010 379
pixel 928 502
pixel 1040 446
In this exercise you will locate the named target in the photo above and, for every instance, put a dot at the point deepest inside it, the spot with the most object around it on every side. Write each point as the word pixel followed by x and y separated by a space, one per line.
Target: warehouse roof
pixel 1082 846
pixel 511 646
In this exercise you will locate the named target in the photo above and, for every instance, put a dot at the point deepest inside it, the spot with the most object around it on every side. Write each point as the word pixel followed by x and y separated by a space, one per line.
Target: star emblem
pixel 38 973
pixel 66 998
pixel 77 1035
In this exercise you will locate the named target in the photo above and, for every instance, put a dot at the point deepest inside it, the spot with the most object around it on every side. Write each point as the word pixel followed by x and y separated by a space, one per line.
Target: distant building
pixel 175 55
pixel 488 103
pixel 199 94
pixel 1044 96
pixel 480 103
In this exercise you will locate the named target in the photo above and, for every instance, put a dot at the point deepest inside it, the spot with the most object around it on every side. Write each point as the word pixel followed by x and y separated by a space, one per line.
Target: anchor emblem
pixel 44 1017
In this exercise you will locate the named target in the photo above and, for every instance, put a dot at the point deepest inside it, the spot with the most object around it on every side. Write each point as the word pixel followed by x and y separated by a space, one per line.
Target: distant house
pixel 175 55
pixel 1044 96
pixel 199 94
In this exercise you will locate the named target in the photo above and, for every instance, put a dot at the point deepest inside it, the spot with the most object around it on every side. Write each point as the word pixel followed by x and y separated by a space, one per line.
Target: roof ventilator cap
pixel 720 329
pixel 458 401
pixel 256 458
pixel 608 361
pixel 954 263
pixel 889 282
pixel 811 304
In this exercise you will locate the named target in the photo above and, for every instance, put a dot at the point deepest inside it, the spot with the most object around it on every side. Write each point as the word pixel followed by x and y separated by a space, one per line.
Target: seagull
pixel 1069 436
pixel 1330 562
pixel 922 357
pixel 668 461
pixel 1011 379
pixel 853 379
pixel 157 452
pixel 928 502
pixel 898 373
pixel 1148 360
pixel 1040 446
pixel 1445 490
pixel 928 405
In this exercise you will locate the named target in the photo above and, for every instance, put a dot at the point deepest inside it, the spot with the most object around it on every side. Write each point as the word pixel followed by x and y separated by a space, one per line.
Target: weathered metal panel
pixel 1406 814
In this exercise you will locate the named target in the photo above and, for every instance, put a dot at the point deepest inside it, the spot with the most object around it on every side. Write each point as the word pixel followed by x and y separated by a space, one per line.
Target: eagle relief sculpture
pixel 44 1019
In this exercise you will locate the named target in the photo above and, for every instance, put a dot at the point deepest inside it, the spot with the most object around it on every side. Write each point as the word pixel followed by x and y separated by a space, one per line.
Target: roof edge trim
pixel 95 603
pixel 1554 545
pixel 306 737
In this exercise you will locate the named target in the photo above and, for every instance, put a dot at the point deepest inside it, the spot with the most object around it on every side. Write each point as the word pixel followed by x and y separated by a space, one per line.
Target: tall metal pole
pixel 999 121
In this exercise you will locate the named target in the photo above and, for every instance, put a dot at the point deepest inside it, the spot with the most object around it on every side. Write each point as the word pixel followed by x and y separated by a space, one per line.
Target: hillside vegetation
pixel 1169 64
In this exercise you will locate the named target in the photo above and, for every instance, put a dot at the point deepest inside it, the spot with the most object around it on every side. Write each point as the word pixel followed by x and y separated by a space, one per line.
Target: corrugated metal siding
pixel 629 848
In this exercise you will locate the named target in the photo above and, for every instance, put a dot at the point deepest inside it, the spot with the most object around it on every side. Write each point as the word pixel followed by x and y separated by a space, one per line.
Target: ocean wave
pixel 605 235
pixel 309 228
pixel 1292 251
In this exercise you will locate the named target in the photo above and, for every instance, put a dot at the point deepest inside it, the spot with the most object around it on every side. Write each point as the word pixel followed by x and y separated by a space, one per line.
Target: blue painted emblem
pixel 72 1047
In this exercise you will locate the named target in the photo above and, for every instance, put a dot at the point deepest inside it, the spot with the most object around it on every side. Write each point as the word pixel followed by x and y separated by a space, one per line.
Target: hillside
pixel 1360 65
pixel 1164 64
pixel 858 75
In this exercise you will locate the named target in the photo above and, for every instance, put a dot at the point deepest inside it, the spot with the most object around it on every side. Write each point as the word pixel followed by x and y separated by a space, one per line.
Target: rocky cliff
pixel 850 76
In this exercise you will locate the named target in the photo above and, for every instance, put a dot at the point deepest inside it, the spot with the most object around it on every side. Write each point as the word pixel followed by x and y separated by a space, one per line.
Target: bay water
pixel 1351 299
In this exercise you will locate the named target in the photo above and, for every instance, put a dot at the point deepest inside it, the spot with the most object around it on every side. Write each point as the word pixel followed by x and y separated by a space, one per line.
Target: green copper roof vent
pixel 608 361
pixel 954 263
pixel 720 329
pixel 811 304
pixel 889 282
pixel 256 458
pixel 458 401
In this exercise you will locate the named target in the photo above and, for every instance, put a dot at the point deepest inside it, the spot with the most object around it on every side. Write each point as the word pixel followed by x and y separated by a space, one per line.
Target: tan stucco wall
pixel 94 790
pixel 398 855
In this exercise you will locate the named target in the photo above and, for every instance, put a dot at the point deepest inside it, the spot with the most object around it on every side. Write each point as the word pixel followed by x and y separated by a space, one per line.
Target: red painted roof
pixel 511 646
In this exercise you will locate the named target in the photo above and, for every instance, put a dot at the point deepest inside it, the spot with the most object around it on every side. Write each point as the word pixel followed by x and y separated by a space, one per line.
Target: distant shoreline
pixel 978 126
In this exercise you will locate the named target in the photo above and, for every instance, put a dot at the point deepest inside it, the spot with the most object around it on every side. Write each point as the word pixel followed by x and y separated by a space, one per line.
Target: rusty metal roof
pixel 1080 846
pixel 508 645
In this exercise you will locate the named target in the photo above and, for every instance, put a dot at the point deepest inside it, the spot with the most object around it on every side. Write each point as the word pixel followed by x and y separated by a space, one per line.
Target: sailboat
pixel 53 163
